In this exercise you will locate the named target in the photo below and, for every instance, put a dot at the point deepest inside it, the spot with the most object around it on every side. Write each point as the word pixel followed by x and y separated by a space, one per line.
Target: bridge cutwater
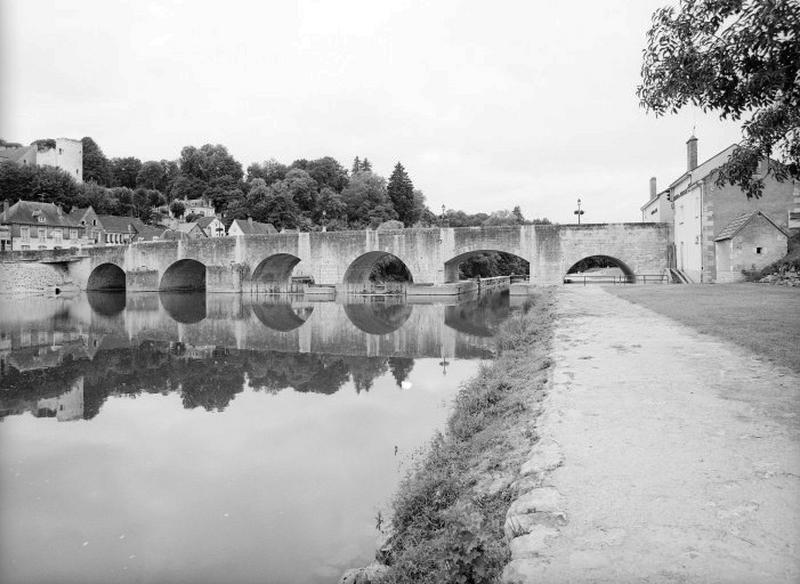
pixel 344 259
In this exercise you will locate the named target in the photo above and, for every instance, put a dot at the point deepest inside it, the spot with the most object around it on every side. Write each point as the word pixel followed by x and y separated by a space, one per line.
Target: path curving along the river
pixel 665 456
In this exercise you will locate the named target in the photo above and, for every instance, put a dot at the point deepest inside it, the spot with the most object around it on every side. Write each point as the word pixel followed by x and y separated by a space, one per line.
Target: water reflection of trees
pixel 204 377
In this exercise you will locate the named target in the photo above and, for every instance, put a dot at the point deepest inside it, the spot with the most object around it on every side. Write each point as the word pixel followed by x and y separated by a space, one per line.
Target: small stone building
pixel 747 244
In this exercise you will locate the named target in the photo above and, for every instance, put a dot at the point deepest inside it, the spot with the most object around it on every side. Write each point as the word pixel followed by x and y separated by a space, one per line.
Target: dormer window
pixel 41 218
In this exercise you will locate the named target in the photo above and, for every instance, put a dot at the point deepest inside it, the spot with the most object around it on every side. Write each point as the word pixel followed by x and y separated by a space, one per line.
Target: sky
pixel 488 105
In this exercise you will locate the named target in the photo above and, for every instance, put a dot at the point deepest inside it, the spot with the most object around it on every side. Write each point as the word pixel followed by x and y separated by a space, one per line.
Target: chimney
pixel 5 208
pixel 691 153
pixel 653 188
pixel 58 210
pixel 250 221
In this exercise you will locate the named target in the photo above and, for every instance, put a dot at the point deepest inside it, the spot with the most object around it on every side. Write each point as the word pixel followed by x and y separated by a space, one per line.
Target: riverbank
pixel 448 521
pixel 679 451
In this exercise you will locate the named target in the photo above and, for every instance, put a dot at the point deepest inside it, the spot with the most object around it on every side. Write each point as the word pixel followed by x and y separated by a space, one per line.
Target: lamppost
pixel 578 211
pixel 443 217
pixel 324 216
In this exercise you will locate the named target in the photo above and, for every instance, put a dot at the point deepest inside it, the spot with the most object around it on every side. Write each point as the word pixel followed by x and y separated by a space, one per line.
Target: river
pixel 217 438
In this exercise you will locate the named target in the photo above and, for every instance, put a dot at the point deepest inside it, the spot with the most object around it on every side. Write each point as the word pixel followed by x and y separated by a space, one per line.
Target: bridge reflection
pixel 65 361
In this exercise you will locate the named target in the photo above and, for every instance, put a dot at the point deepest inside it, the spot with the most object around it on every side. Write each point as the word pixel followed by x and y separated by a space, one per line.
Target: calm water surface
pixel 194 438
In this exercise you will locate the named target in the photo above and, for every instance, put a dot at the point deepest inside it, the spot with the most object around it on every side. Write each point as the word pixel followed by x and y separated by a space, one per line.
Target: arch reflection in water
pixel 378 318
pixel 282 317
pixel 106 303
pixel 479 317
pixel 184 307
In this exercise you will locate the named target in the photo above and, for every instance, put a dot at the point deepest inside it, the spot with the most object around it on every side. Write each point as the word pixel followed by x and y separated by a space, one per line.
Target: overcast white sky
pixel 487 104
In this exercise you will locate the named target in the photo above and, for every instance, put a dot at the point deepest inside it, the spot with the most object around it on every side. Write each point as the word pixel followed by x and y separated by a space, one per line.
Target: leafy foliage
pixel 739 58
pixel 124 171
pixel 95 163
pixel 401 193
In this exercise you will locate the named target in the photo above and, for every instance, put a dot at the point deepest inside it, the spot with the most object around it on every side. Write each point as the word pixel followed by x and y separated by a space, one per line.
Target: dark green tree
pixel 151 175
pixel 740 58
pixel 177 208
pixel 95 163
pixel 401 194
pixel 270 171
pixel 124 171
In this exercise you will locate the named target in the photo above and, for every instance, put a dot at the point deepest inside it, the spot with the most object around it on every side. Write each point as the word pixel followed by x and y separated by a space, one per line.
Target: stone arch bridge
pixel 432 256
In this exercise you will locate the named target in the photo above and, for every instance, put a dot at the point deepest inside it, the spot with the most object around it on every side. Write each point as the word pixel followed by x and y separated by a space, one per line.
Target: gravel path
pixel 676 455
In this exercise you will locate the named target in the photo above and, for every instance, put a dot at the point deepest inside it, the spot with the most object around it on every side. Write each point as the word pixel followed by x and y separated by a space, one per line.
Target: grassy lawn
pixel 759 317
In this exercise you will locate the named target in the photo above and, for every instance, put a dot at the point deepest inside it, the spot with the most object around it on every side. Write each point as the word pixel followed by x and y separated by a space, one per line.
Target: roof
pixel 204 222
pixel 78 214
pixel 187 227
pixel 149 232
pixel 249 227
pixel 13 153
pixel 738 223
pixel 28 212
pixel 704 169
pixel 117 224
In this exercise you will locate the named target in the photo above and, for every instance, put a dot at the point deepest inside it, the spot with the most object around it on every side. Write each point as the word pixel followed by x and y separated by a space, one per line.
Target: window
pixel 40 233
pixel 73 234
pixel 41 218
pixel 60 151
pixel 25 233
pixel 759 250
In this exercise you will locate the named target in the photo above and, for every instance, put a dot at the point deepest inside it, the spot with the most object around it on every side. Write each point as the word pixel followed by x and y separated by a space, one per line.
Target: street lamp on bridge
pixel 578 211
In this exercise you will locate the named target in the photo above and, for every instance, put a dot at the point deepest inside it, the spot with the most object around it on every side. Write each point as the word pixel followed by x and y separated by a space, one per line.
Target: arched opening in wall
pixel 184 276
pixel 107 277
pixel 377 271
pixel 274 274
pixel 485 263
pixel 599 269
pixel 282 317
pixel 184 307
pixel 378 318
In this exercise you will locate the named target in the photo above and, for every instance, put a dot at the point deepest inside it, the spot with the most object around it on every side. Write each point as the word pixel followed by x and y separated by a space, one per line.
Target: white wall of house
pixel 688 236
pixel 67 155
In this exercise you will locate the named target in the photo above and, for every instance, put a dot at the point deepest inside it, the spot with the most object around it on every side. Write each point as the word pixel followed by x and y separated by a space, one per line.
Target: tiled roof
pixel 738 222
pixel 149 233
pixel 204 222
pixel 187 227
pixel 704 169
pixel 28 212
pixel 117 224
pixel 14 154
pixel 254 227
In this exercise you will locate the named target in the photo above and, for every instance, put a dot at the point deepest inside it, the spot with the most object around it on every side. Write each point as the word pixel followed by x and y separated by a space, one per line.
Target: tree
pixel 270 171
pixel 739 58
pixel 95 163
pixel 367 201
pixel 327 172
pixel 401 193
pixel 124 171
pixel 356 166
pixel 209 162
pixel 151 175
pixel 177 208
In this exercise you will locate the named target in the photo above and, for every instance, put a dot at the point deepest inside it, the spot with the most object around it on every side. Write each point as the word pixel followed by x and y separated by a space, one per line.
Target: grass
pixel 762 318
pixel 449 512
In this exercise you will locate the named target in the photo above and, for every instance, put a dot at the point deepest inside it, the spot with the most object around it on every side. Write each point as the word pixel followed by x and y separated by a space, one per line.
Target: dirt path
pixel 681 456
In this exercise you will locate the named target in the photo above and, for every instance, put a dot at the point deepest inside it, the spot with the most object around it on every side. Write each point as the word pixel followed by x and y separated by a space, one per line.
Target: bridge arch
pixel 378 318
pixel 596 268
pixel 451 266
pixel 106 277
pixel 274 272
pixel 361 270
pixel 184 276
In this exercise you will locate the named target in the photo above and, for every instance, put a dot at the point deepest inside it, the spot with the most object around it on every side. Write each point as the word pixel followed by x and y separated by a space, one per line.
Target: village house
pixel 28 225
pixel 250 227
pixel 63 153
pixel 715 227
pixel 113 229
pixel 211 226
pixel 199 207
pixel 187 231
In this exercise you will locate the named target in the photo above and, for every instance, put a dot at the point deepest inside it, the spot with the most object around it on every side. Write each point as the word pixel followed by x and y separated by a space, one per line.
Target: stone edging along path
pixel 664 455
